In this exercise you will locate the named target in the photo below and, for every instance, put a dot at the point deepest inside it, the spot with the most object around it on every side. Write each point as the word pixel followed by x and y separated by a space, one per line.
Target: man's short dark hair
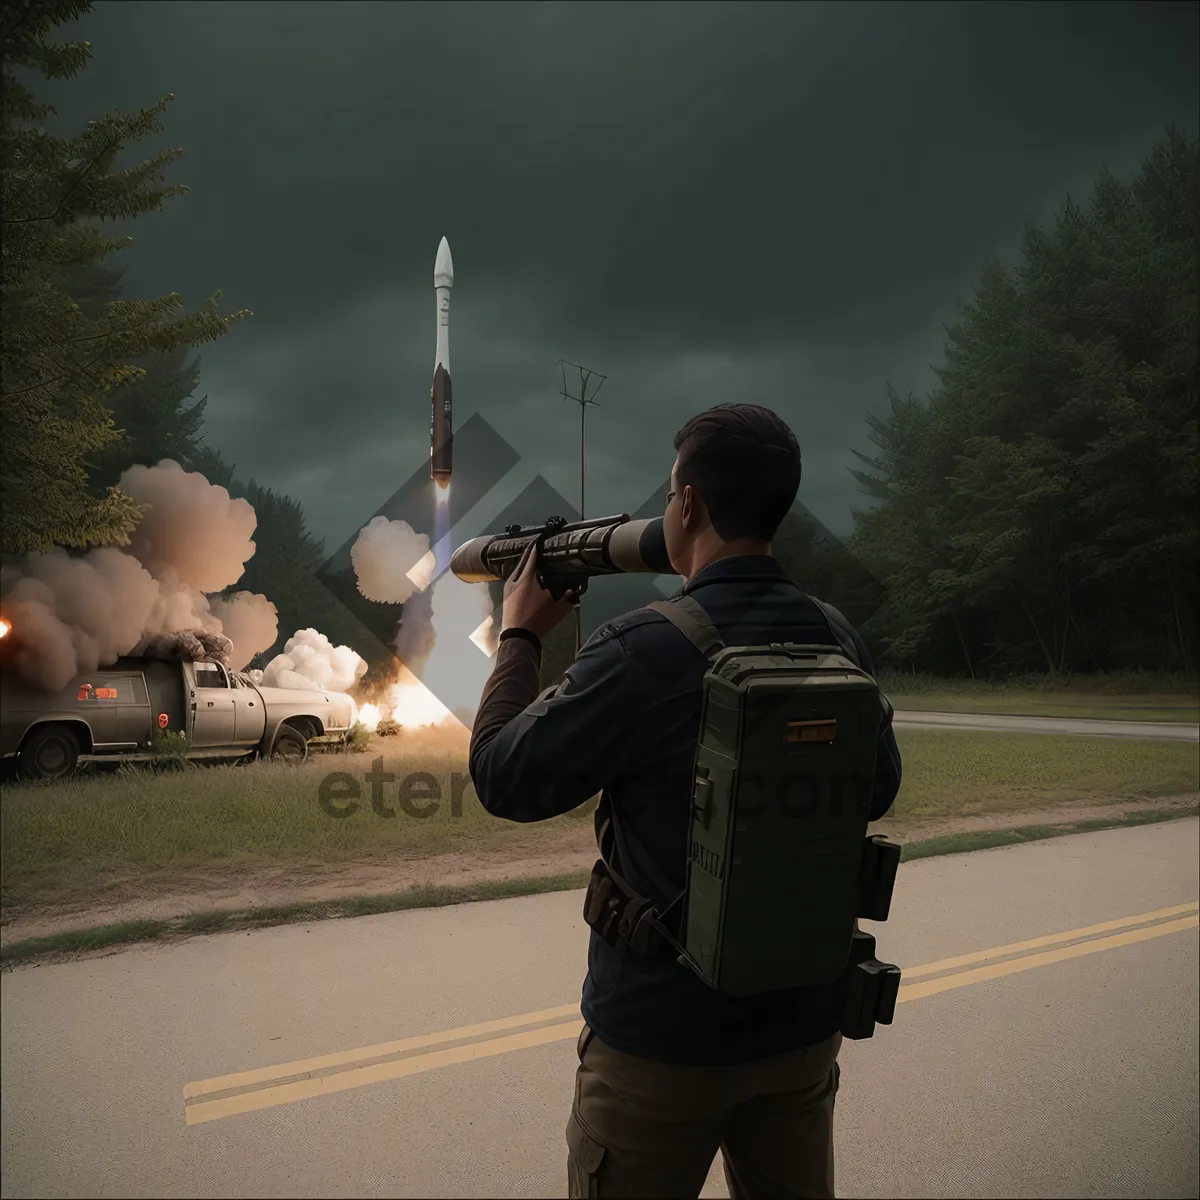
pixel 744 462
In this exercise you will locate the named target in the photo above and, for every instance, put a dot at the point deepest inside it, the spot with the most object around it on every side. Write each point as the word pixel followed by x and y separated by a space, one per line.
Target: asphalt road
pixel 1087 726
pixel 1046 1045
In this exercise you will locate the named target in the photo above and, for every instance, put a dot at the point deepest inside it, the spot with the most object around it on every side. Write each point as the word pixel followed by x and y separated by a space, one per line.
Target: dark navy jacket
pixel 625 721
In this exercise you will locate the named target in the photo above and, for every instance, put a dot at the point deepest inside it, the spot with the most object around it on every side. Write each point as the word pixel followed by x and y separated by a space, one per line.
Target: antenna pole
pixel 586 378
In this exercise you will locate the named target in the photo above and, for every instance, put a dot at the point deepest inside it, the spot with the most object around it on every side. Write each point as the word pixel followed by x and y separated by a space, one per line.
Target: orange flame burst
pixel 409 703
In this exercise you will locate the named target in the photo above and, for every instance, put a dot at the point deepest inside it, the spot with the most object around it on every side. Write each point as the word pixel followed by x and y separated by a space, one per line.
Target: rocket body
pixel 441 458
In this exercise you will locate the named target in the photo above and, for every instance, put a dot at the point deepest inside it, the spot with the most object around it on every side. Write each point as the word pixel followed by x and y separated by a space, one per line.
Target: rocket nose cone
pixel 443 266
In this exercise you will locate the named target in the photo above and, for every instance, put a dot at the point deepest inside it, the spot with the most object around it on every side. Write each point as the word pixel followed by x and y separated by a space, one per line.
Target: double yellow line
pixel 267 1087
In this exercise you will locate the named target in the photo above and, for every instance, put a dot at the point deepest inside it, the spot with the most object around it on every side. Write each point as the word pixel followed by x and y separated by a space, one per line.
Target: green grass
pixel 286 914
pixel 1128 696
pixel 433 897
pixel 97 938
pixel 955 773
pixel 1106 708
pixel 1117 683
pixel 986 839
pixel 96 835
pixel 84 836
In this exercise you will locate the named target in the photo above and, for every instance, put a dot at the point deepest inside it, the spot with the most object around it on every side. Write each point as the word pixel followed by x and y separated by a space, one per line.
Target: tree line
pixel 1035 512
pixel 92 382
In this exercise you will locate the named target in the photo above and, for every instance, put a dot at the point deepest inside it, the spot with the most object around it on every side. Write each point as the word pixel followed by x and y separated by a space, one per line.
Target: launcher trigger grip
pixel 559 587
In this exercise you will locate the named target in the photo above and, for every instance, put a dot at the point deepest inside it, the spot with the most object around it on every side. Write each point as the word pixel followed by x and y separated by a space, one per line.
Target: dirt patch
pixel 139 899
pixel 560 853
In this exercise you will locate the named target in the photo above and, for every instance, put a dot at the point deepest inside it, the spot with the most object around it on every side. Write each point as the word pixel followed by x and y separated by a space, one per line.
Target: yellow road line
pixel 322 1085
pixel 302 1079
pixel 267 1074
pixel 1051 939
pixel 996 970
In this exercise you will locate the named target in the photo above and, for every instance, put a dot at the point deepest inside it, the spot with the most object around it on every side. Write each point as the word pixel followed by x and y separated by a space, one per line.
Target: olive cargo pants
pixel 646 1129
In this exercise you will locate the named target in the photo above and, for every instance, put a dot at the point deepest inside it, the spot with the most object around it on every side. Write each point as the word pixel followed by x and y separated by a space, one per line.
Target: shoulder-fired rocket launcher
pixel 569 554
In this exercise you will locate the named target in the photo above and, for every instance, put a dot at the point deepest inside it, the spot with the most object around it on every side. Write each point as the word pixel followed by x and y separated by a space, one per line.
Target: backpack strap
pixel 609 839
pixel 688 615
pixel 613 908
pixel 841 630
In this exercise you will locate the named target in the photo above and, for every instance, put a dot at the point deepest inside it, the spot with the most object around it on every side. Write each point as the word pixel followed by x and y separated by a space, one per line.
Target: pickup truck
pixel 115 712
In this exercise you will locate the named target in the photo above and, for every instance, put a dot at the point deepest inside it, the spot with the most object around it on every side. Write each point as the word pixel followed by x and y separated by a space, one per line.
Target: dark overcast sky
pixel 778 204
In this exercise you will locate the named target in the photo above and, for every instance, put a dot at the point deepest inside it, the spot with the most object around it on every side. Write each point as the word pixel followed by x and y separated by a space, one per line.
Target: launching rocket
pixel 440 429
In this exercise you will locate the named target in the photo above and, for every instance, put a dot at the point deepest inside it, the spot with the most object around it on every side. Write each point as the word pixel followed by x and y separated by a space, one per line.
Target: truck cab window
pixel 210 675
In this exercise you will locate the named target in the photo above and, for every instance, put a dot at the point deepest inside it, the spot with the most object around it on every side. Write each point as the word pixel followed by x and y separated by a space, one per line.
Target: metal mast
pixel 586 379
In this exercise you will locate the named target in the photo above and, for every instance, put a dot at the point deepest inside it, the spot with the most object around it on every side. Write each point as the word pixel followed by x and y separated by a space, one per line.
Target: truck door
pixel 250 716
pixel 133 708
pixel 213 707
pixel 171 695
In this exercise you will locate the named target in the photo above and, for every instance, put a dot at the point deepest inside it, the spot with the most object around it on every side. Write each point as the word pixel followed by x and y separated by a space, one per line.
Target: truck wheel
pixel 290 745
pixel 50 753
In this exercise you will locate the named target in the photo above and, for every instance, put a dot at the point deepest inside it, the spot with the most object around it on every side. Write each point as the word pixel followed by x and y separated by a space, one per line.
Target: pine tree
pixel 1039 509
pixel 62 366
pixel 155 415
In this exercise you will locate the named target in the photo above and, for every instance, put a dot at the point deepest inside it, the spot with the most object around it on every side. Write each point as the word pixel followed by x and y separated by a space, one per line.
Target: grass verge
pixel 225 921
pixel 986 839
pixel 1173 709
pixel 1121 696
pixel 1176 685
pixel 105 936
pixel 98 837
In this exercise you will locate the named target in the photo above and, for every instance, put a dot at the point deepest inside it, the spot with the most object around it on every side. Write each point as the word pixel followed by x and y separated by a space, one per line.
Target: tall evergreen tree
pixel 154 415
pixel 1039 509
pixel 61 367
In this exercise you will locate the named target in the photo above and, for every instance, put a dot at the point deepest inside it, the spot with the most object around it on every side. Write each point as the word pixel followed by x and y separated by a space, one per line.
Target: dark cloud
pixel 771 202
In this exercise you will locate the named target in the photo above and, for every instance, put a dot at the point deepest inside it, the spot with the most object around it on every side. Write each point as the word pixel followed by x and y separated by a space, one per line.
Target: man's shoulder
pixel 629 627
pixel 644 635
pixel 844 630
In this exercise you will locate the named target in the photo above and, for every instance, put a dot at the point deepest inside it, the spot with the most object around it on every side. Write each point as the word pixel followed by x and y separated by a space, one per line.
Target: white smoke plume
pixel 461 659
pixel 179 608
pixel 310 660
pixel 445 633
pixel 194 530
pixel 250 621
pixel 75 613
pixel 391 561
pixel 415 635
